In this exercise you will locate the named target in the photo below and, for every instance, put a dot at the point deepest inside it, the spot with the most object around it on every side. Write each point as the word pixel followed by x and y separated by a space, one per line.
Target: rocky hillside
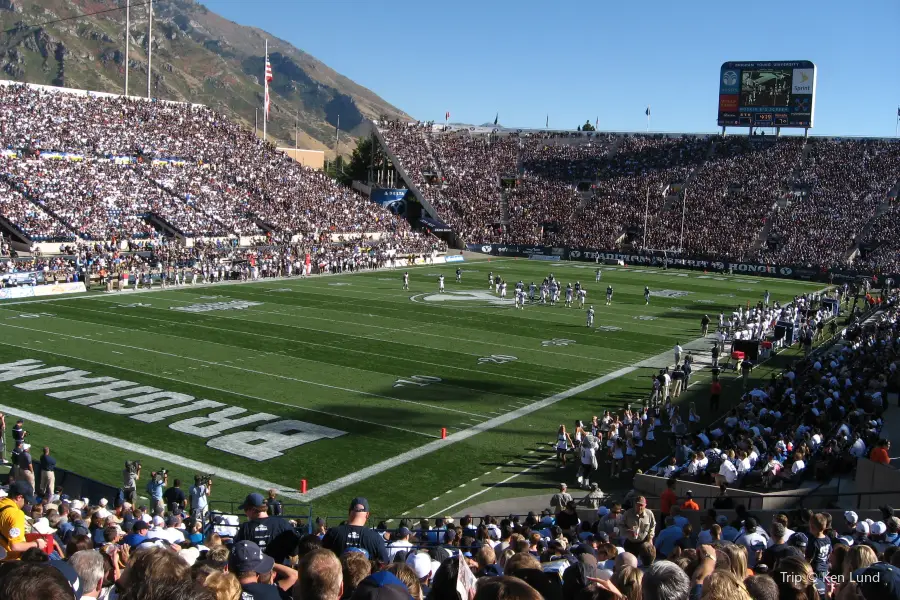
pixel 198 56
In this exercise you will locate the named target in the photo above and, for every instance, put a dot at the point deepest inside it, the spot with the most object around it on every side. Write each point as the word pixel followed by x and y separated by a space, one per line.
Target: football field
pixel 347 381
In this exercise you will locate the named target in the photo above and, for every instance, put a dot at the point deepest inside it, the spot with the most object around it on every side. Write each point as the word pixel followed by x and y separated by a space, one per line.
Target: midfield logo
pixel 211 306
pixel 482 297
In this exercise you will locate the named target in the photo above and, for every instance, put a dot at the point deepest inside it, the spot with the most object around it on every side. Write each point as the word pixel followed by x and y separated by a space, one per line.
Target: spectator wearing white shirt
pixel 728 473
pixel 399 543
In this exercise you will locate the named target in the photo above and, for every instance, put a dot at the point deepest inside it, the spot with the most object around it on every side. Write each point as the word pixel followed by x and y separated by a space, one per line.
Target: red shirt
pixel 879 454
pixel 690 505
pixel 716 388
pixel 667 500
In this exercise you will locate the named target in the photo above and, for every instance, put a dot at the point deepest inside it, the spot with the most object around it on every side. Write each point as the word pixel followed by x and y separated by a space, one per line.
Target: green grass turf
pixel 330 350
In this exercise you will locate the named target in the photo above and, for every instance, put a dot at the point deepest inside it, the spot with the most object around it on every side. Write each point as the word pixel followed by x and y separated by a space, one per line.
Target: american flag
pixel 268 79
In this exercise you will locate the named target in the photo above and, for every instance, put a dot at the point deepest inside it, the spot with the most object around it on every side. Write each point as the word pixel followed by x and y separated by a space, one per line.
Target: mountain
pixel 198 56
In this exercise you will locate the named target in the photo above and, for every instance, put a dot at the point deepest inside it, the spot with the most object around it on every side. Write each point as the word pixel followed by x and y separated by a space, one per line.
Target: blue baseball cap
pixel 253 501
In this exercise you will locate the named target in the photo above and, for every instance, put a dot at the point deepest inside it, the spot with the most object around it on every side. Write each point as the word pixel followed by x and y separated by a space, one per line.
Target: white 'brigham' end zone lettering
pixel 209 306
pixel 149 405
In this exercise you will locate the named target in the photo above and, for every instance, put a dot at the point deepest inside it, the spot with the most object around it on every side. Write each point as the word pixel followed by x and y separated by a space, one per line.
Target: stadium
pixel 543 363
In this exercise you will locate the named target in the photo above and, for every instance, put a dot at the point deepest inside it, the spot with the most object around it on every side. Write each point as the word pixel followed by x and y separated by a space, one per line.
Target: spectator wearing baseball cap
pixel 382 585
pixel 259 575
pixel 399 542
pixel 355 533
pixel 12 521
pixel 138 534
pixel 274 535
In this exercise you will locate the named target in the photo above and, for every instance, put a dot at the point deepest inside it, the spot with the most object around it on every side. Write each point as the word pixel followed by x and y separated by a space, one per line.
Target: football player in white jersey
pixel 491 280
pixel 406 280
pixel 554 293
pixel 441 284
pixel 609 295
pixel 569 295
pixel 581 296
pixel 520 298
pixel 502 287
pixel 544 292
pixel 598 276
pixel 590 316
pixel 531 291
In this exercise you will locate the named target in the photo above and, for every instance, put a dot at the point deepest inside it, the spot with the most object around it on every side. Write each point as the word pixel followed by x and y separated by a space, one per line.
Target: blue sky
pixel 578 60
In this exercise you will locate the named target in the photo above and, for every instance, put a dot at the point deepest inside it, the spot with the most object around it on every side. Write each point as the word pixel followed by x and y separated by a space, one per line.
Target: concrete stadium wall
pixel 705 494
pixel 872 477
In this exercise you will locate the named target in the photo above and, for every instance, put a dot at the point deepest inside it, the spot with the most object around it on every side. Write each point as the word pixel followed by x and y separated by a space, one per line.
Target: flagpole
pixel 648 117
pixel 149 47
pixel 127 34
pixel 266 97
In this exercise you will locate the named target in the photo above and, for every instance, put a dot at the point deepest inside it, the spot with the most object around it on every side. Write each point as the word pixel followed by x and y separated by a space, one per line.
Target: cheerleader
pixel 618 457
pixel 694 418
pixel 563 444
pixel 605 421
pixel 626 418
pixel 579 434
pixel 651 425
pixel 630 454
pixel 611 442
pixel 595 427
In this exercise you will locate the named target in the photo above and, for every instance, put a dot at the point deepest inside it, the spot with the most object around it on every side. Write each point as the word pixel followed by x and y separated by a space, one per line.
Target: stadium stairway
pixel 410 184
pixel 863 234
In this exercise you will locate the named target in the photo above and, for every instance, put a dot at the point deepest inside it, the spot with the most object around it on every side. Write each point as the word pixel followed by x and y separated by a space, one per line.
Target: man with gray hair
pixel 664 580
pixel 89 566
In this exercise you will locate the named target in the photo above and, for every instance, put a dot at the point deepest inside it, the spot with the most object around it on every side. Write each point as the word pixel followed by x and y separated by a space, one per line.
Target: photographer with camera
pixel 156 485
pixel 130 475
pixel 200 493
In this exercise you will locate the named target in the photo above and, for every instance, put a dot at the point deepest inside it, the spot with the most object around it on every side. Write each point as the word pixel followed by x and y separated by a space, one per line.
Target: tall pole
pixel 256 122
pixel 646 212
pixel 683 205
pixel 337 136
pixel 149 47
pixel 127 39
pixel 266 98
pixel 296 135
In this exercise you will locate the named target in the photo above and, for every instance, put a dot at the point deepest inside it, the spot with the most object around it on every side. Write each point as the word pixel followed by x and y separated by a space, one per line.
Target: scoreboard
pixel 767 94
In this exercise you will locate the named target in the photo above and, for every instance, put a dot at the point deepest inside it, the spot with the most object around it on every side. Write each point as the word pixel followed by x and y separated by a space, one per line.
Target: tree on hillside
pixel 587 126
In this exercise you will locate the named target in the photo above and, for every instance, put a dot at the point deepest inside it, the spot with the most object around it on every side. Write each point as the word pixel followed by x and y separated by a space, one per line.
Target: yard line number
pixel 417 380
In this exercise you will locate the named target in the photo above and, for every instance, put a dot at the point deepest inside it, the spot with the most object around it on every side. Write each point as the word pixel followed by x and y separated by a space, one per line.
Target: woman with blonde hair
pixel 563 444
pixel 225 586
pixel 407 575
pixel 737 555
pixel 858 557
pixel 628 581
pixel 724 585
pixel 797 581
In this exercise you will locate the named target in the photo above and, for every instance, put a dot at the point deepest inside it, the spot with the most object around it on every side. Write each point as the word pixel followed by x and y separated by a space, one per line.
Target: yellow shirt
pixel 12 527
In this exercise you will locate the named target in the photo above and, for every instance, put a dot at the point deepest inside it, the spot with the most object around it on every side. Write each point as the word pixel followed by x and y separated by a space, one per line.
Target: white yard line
pixel 311 278
pixel 221 390
pixel 303 313
pixel 443 511
pixel 254 371
pixel 304 359
pixel 340 348
pixel 173 459
pixel 410 455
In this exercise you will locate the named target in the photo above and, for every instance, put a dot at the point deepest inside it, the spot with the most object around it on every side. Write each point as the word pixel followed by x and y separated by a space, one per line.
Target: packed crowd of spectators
pixel 730 197
pixel 847 180
pixel 884 235
pixel 811 422
pixel 592 191
pixel 118 160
